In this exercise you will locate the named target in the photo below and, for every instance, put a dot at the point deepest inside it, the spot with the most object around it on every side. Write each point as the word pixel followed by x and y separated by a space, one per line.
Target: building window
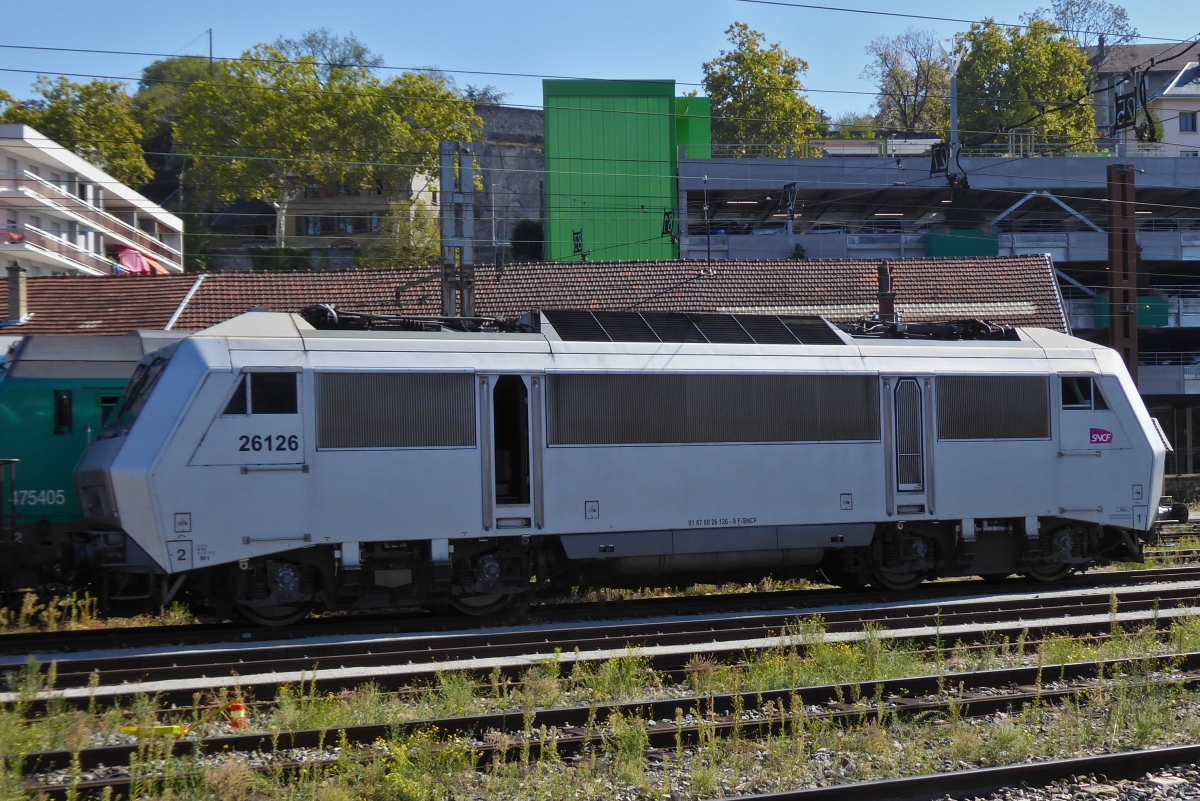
pixel 1187 121
pixel 345 224
pixel 1190 153
pixel 376 216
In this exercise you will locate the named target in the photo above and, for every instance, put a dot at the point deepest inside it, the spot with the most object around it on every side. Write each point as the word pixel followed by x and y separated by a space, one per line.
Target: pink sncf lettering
pixel 1101 437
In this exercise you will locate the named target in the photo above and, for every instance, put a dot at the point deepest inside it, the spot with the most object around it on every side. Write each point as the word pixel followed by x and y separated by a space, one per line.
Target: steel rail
pixel 421 621
pixel 578 727
pixel 720 638
pixel 967 784
pixel 170 666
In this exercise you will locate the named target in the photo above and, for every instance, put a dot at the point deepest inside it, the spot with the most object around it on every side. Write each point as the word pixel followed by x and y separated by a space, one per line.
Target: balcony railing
pixel 102 220
pixel 41 240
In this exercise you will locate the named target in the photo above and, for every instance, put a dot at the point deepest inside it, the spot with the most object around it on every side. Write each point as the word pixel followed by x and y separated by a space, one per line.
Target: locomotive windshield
pixel 138 391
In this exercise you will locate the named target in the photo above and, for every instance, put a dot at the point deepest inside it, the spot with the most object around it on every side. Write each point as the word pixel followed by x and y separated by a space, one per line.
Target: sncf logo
pixel 1101 437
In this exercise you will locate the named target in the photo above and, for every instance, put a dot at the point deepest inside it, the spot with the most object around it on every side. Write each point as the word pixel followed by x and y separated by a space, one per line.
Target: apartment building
pixel 1177 106
pixel 64 216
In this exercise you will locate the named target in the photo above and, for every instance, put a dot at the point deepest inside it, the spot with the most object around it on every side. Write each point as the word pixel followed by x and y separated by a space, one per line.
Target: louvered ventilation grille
pixel 607 326
pixel 395 410
pixel 639 408
pixel 993 407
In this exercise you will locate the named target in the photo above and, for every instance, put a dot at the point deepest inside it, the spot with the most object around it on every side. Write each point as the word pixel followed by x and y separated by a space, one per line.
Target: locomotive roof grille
pixel 575 325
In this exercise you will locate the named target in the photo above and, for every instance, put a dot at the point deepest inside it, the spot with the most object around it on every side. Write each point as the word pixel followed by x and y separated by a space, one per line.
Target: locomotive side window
pixel 63 411
pixel 264 393
pixel 238 404
pixel 993 407
pixel 675 408
pixel 273 393
pixel 1081 392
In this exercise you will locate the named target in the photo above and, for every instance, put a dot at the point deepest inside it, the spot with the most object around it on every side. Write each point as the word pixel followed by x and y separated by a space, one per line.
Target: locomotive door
pixel 510 431
pixel 908 405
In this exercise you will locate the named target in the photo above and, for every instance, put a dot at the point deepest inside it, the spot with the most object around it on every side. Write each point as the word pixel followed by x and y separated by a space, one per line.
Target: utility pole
pixel 1122 266
pixel 210 57
pixel 707 227
pixel 456 201
pixel 954 139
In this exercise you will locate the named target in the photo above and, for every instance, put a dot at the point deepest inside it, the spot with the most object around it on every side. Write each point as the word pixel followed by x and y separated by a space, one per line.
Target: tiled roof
pixel 98 304
pixel 1019 290
pixel 1168 57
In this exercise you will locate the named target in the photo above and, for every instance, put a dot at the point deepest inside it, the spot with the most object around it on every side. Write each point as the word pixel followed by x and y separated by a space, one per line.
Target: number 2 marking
pixel 181 555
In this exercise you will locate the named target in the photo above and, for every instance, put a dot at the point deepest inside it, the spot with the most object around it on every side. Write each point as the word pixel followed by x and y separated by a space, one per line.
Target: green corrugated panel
pixel 1151 311
pixel 693 126
pixel 966 242
pixel 611 168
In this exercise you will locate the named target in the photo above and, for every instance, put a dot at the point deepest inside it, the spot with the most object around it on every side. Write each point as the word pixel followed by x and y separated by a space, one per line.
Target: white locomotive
pixel 279 467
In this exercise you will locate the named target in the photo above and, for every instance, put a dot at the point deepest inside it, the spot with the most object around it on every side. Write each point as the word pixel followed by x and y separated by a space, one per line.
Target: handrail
pixel 112 224
pixel 65 249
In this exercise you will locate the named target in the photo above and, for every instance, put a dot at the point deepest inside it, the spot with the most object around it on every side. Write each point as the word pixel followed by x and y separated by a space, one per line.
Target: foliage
pixel 163 85
pixel 853 125
pixel 329 50
pixel 94 120
pixel 528 237
pixel 913 80
pixel 1033 77
pixel 1086 21
pixel 282 259
pixel 757 96
pixel 275 125
pixel 409 236
pixel 484 94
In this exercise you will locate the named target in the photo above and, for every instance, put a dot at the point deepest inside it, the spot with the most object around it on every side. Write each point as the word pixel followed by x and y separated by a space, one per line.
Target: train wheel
pixel 482 605
pixel 896 581
pixel 1049 573
pixel 284 615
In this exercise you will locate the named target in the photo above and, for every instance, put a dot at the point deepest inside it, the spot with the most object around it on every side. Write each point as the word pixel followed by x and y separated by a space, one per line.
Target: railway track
pixel 670 722
pixel 418 621
pixel 668 643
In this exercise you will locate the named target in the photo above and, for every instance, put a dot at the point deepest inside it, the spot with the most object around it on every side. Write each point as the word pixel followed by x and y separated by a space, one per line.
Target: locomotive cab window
pixel 1082 392
pixel 63 411
pixel 263 393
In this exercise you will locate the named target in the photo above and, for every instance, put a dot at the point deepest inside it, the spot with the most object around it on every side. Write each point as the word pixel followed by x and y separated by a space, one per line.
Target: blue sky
pixel 609 39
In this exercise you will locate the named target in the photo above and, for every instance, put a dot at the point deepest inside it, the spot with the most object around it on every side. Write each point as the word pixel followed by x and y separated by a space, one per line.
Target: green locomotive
pixel 55 392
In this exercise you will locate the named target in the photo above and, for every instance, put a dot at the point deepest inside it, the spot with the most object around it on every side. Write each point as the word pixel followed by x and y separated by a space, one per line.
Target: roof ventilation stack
pixel 887 298
pixel 18 297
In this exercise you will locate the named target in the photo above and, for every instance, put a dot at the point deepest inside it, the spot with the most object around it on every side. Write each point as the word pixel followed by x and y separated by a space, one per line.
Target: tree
pixel 95 120
pixel 488 94
pixel 1086 21
pixel 409 236
pixel 276 125
pixel 913 79
pixel 156 100
pixel 329 50
pixel 853 125
pixel 1032 78
pixel 757 96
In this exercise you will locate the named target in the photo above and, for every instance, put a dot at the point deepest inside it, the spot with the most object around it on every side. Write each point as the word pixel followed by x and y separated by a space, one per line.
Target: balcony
pixel 38 245
pixel 1169 373
pixel 28 185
